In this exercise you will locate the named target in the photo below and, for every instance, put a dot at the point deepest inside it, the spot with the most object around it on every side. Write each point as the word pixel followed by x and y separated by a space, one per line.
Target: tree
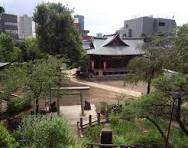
pixel 167 85
pixel 157 105
pixel 149 66
pixel 2 10
pixel 12 79
pixel 29 50
pixel 179 58
pixel 8 51
pixel 43 74
pixel 56 33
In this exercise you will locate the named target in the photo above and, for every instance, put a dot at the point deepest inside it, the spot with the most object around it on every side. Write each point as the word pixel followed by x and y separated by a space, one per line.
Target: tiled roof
pixel 127 47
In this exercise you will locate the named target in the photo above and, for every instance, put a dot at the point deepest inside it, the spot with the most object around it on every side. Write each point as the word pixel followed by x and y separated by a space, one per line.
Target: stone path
pixel 73 113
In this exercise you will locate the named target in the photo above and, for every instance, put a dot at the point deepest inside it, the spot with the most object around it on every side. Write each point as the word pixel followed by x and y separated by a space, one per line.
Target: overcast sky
pixel 106 16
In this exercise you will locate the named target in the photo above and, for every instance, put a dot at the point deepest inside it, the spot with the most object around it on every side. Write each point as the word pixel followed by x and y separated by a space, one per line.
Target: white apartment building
pixel 25 27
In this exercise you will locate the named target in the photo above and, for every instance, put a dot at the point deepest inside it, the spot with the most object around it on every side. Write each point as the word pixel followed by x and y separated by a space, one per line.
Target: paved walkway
pixel 108 88
pixel 73 113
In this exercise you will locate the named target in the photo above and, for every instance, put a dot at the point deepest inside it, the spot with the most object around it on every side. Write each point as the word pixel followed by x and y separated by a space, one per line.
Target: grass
pixel 140 131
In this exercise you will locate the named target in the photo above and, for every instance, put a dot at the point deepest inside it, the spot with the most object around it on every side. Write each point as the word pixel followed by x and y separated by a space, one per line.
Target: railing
pixel 96 120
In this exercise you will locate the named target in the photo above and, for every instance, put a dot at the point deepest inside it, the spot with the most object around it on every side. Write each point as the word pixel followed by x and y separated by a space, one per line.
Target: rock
pixel 87 105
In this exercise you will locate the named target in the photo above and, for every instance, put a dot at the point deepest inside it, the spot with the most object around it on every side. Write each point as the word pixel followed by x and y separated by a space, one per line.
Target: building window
pixel 10 23
pixel 130 32
pixel 161 24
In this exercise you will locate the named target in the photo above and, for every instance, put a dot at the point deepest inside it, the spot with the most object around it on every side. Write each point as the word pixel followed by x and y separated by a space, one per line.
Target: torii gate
pixel 74 88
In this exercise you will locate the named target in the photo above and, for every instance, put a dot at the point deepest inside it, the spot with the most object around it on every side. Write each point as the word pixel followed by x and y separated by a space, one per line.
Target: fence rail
pixel 96 120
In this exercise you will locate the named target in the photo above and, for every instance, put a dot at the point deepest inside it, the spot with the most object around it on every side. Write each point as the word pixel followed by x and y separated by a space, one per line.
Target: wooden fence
pixel 92 120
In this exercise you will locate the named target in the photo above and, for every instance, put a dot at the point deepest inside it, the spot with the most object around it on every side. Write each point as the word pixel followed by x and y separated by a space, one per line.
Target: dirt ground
pixel 140 86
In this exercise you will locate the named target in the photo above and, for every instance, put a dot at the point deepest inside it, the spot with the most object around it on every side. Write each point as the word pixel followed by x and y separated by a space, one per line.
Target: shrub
pixel 178 138
pixel 16 105
pixel 43 131
pixel 119 139
pixel 93 133
pixel 6 140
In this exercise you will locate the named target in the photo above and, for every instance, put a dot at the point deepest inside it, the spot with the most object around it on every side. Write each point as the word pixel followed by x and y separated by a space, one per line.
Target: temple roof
pixel 114 45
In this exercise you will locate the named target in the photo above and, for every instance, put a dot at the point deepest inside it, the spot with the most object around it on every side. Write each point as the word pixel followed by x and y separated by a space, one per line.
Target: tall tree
pixel 150 65
pixel 56 33
pixel 8 51
pixel 30 50
pixel 2 10
pixel 180 55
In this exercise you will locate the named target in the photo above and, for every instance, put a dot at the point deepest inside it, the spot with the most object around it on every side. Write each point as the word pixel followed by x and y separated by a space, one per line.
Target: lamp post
pixel 175 96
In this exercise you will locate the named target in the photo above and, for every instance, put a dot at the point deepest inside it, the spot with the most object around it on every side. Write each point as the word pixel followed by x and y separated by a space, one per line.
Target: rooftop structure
pixel 146 26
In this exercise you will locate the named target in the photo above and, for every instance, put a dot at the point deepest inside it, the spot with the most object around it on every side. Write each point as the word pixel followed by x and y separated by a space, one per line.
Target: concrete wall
pixel 135 25
pixel 25 27
pixel 146 26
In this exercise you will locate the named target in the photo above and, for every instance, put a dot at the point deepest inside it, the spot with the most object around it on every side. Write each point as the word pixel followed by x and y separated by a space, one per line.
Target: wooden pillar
pixel 104 63
pixel 92 64
pixel 82 106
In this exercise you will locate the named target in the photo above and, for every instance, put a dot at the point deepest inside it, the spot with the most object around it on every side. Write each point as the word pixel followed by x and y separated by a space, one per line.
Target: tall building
pixel 80 20
pixel 8 23
pixel 145 26
pixel 24 27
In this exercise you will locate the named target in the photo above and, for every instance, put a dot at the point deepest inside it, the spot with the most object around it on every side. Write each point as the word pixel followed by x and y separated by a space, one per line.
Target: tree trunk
pixel 149 86
pixel 37 106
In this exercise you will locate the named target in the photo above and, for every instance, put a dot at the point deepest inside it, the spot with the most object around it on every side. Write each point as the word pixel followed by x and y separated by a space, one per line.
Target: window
pixel 161 24
pixel 10 23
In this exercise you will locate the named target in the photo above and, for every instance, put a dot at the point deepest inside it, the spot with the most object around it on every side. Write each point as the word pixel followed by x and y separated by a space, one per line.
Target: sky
pixel 107 16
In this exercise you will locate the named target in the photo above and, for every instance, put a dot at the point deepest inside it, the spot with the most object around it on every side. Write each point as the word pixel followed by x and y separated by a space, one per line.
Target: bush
pixel 16 105
pixel 93 133
pixel 43 131
pixel 6 140
pixel 178 138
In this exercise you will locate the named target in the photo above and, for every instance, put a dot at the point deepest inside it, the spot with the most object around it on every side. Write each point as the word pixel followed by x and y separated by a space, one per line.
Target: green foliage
pixel 2 10
pixel 56 33
pixel 43 131
pixel 93 133
pixel 8 51
pixel 6 140
pixel 16 105
pixel 12 79
pixel 30 50
pixel 180 56
pixel 149 66
pixel 176 82
pixel 43 75
pixel 178 138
